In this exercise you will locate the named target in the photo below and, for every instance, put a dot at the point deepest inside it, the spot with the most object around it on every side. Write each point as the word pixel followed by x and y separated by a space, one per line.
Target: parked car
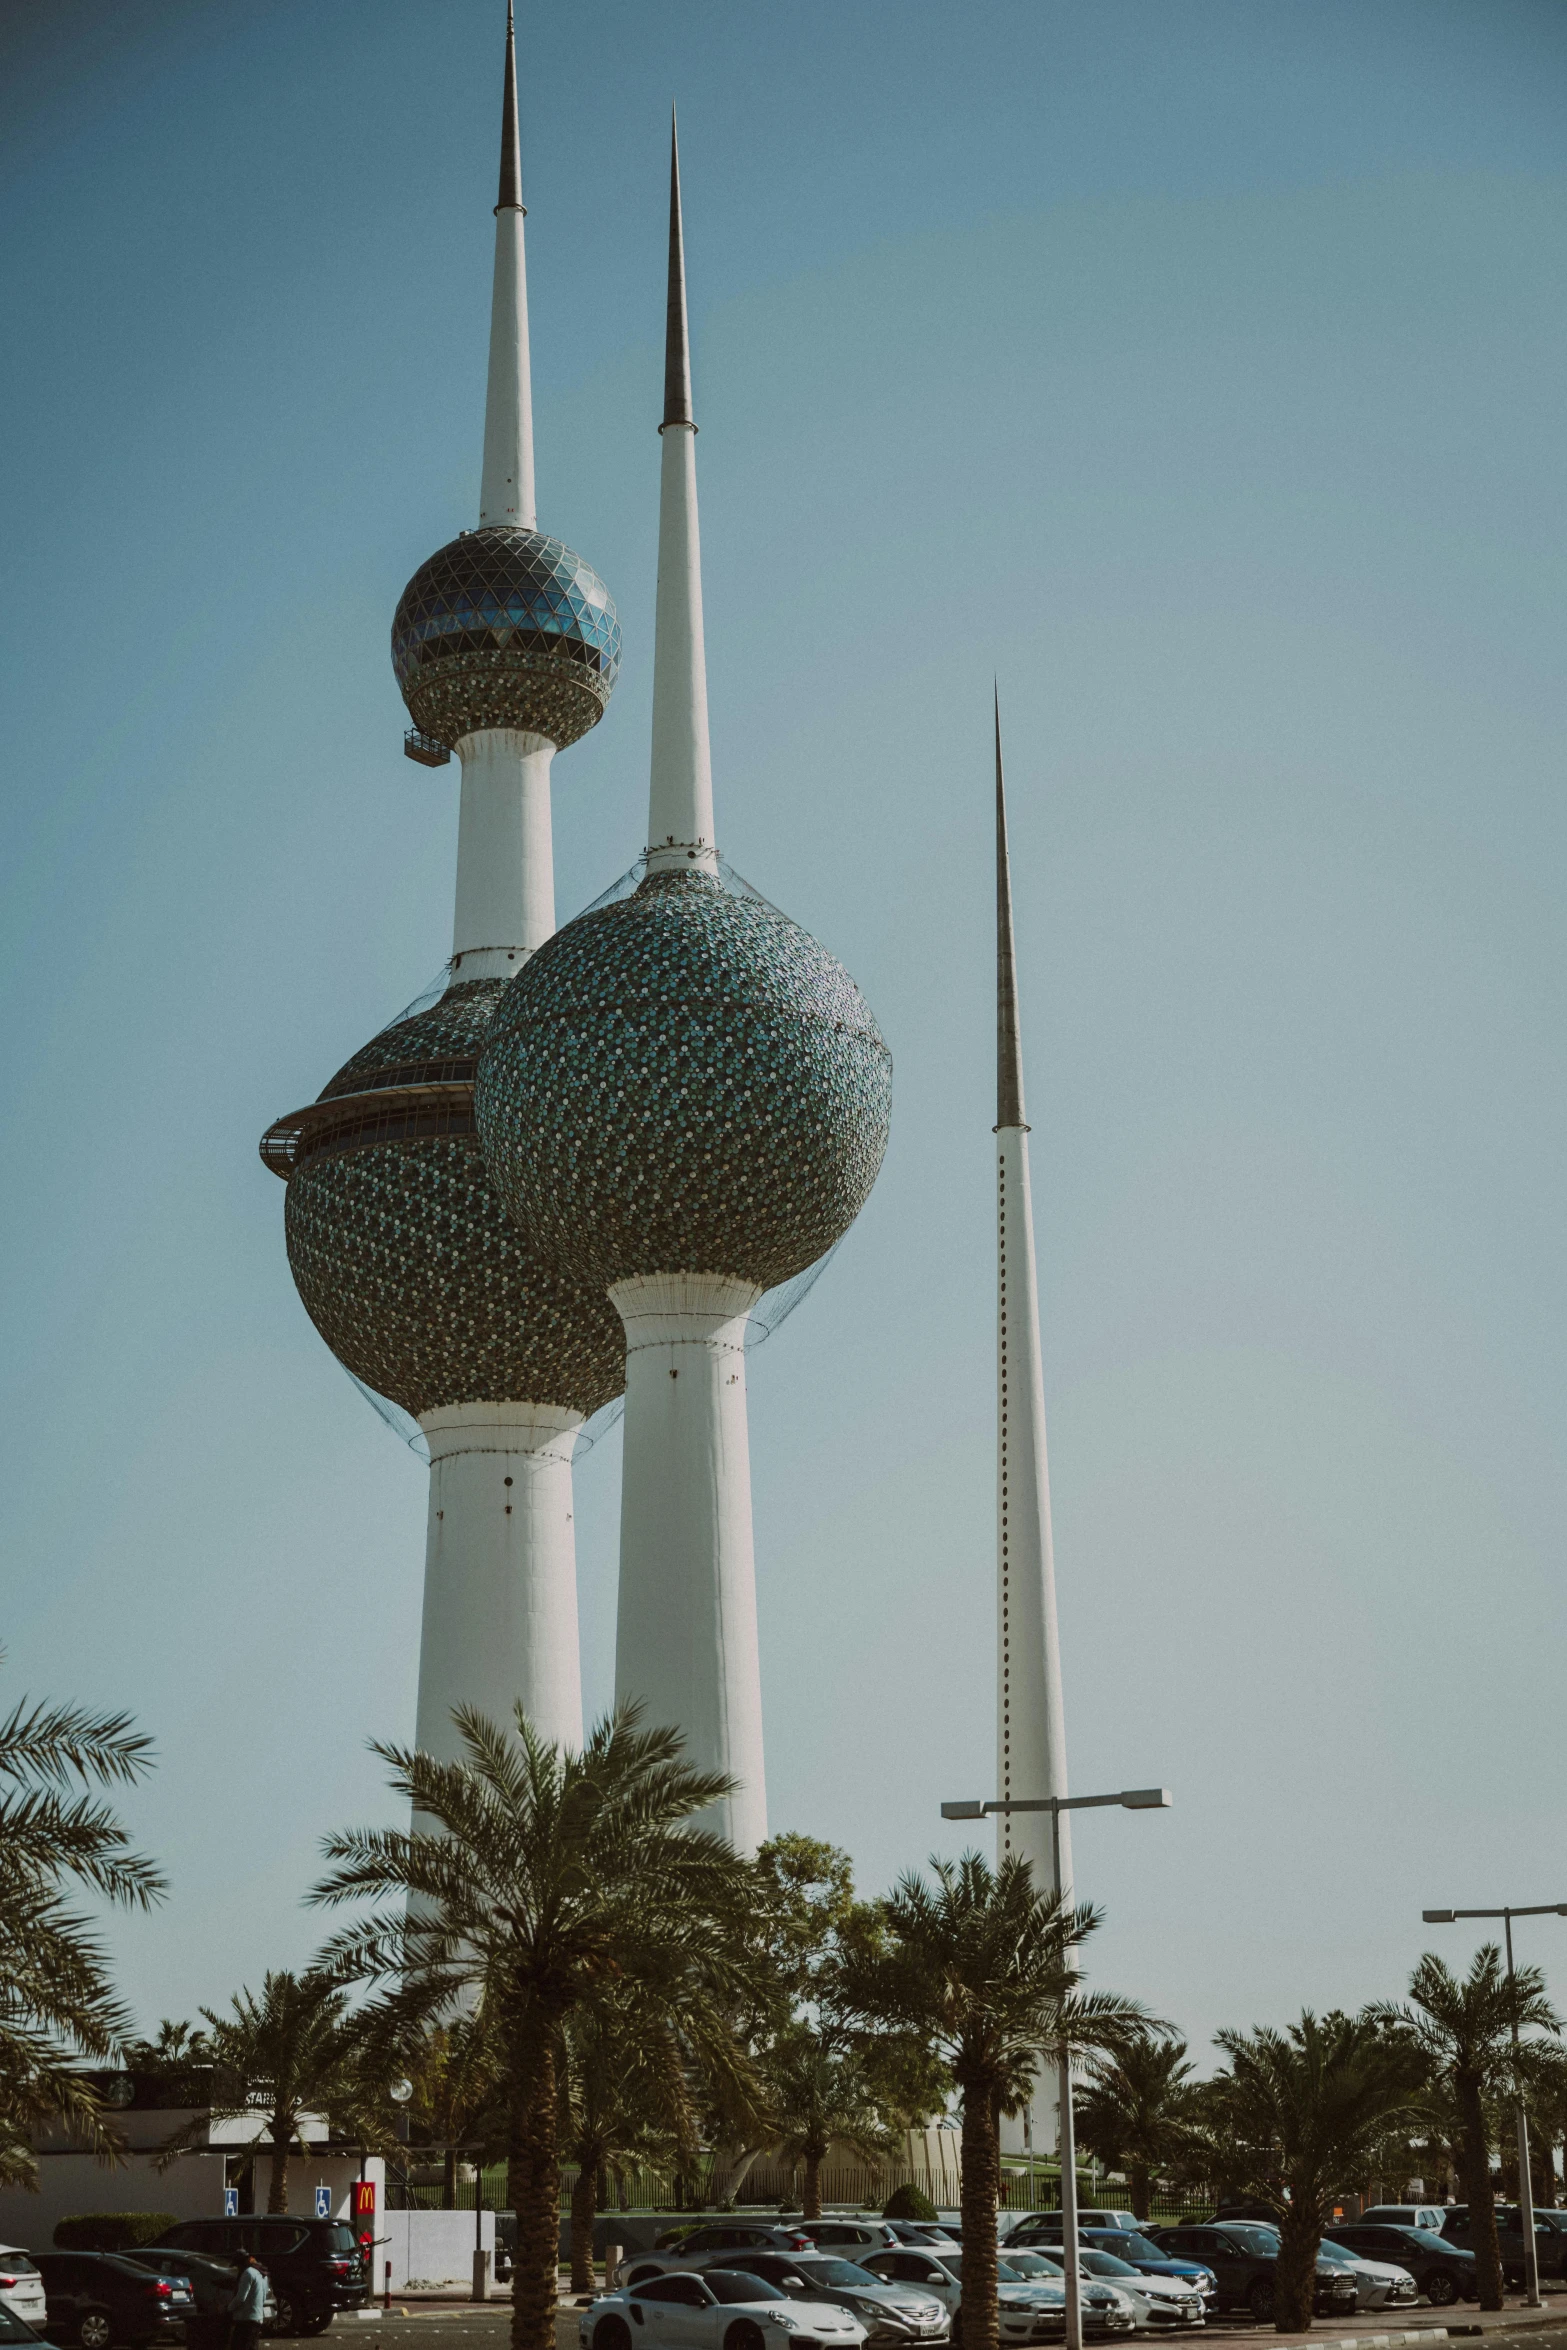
pixel 15 2333
pixel 1443 2271
pixel 1149 2260
pixel 892 2315
pixel 1243 2255
pixel 21 2287
pixel 732 2235
pixel 1379 2284
pixel 212 2284
pixel 314 2266
pixel 1159 2302
pixel 1404 2215
pixel 722 2309
pixel 1029 2309
pixel 850 2236
pixel 1550 2244
pixel 923 2231
pixel 1085 2219
pixel 98 2298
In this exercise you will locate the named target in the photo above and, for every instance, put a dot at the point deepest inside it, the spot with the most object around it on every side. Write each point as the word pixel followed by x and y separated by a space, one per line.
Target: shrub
pixel 908 2202
pixel 110 2231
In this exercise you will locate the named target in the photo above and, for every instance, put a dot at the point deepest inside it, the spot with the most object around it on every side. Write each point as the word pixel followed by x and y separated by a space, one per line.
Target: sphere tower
pixel 505 646
pixel 684 1099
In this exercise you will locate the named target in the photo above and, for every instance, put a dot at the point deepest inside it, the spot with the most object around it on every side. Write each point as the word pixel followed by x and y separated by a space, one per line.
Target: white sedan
pixel 1162 2304
pixel 1378 2283
pixel 722 2309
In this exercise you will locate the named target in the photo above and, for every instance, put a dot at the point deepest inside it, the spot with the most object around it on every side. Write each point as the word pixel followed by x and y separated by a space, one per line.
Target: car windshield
pixel 1136 2248
pixel 12 2328
pixel 1335 2254
pixel 1105 2264
pixel 1263 2242
pixel 823 2271
pixel 730 2284
pixel 1031 2264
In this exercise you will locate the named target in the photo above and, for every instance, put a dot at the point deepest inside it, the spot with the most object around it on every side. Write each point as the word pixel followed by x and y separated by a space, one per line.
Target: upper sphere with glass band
pixel 683 1080
pixel 505 627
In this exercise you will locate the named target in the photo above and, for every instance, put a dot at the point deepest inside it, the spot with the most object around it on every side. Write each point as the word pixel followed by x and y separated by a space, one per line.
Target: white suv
pixel 21 2287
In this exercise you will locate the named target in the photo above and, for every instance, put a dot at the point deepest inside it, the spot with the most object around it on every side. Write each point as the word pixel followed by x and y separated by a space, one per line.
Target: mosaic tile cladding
pixel 505 628
pixel 684 1081
pixel 404 1257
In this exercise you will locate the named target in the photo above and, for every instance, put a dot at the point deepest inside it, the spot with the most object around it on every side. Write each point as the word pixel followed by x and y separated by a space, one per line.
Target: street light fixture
pixel 1129 1799
pixel 1536 1909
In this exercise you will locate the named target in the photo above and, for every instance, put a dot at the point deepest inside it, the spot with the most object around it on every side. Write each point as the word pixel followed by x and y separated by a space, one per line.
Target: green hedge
pixel 908 2202
pixel 110 2231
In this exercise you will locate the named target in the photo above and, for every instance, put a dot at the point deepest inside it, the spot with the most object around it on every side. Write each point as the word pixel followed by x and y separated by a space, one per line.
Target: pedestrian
pixel 248 2306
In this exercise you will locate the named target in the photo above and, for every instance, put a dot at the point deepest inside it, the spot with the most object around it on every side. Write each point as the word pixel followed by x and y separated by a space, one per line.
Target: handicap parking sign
pixel 323 2203
pixel 231 2203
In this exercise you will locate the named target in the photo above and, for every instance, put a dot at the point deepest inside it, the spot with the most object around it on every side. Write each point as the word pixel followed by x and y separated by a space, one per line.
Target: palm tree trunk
pixel 979 2190
pixel 277 2191
pixel 811 2200
pixel 1137 2172
pixel 1474 2158
pixel 1295 2275
pixel 582 2200
pixel 534 2187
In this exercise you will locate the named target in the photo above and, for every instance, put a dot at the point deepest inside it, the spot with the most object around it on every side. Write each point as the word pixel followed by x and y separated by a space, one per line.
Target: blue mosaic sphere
pixel 505 627
pixel 404 1258
pixel 683 1081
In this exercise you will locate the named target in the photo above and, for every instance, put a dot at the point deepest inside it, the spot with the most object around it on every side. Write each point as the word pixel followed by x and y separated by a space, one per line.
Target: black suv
pixel 97 2298
pixel 1243 2256
pixel 1444 2272
pixel 733 2235
pixel 1550 2244
pixel 314 2266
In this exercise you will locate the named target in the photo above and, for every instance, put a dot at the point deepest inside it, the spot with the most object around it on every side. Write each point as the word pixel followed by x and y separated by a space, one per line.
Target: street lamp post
pixel 1538 1909
pixel 1129 1799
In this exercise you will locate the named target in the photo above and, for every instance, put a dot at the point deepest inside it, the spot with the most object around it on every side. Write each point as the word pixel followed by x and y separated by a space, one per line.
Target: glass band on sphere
pixel 684 1081
pixel 405 1259
pixel 505 627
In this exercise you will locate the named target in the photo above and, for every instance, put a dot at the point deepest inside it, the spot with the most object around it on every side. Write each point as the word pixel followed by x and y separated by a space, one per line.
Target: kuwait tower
pixel 505 645
pixel 1030 1728
pixel 683 1100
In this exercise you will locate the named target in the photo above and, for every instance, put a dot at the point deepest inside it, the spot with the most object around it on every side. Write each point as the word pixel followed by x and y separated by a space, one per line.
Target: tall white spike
pixel 1030 1723
pixel 506 490
pixel 680 796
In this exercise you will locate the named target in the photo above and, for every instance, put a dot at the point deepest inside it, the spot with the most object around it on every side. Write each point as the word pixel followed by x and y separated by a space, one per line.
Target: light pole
pixel 1129 1799
pixel 1538 1909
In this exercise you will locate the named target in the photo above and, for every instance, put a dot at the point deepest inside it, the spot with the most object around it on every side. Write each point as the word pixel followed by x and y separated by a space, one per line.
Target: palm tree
pixel 1135 2113
pixel 1307 2108
pixel 626 2103
pixel 56 2001
pixel 288 2054
pixel 820 2097
pixel 547 1882
pixel 456 2100
pixel 1462 2028
pixel 982 1967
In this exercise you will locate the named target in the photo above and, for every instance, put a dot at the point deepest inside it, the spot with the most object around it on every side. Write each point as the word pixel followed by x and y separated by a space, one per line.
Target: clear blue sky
pixel 1195 367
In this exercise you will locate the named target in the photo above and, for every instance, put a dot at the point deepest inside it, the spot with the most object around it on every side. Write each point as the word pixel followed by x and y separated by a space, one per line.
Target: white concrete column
pixel 680 796
pixel 685 1638
pixel 1031 1726
pixel 506 491
pixel 505 852
pixel 500 1573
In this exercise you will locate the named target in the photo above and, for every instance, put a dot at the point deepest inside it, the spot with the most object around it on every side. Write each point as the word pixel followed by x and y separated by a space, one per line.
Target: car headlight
pixel 787 2325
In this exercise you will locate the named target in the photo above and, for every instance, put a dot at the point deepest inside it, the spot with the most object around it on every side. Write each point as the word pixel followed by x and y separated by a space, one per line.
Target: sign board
pixel 364 2199
pixel 231 2203
pixel 323 2203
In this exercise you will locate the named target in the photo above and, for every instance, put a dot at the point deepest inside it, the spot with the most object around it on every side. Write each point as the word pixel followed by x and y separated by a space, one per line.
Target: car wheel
pixel 1441 2291
pixel 1259 2298
pixel 612 2333
pixel 285 2319
pixel 745 2334
pixel 95 2329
